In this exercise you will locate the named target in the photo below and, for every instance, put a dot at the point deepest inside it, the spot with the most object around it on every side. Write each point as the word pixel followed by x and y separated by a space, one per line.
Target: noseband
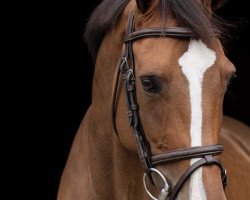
pixel 149 162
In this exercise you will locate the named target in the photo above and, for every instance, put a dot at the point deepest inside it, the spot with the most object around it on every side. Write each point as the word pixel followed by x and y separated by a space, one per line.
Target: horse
pixel 155 128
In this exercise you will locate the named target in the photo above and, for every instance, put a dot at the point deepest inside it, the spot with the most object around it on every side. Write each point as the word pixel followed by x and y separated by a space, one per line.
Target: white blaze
pixel 194 64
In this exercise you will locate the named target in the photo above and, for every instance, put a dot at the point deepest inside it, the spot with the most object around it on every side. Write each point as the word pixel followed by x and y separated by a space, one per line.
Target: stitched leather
pixel 177 32
pixel 187 153
pixel 208 160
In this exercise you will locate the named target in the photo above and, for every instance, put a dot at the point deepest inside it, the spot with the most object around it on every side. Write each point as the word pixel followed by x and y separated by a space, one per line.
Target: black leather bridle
pixel 149 162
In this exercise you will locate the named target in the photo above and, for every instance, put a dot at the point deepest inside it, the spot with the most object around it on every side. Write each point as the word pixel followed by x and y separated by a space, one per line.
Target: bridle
pixel 149 162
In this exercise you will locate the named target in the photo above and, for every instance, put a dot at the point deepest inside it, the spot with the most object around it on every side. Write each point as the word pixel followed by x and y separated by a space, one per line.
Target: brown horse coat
pixel 102 166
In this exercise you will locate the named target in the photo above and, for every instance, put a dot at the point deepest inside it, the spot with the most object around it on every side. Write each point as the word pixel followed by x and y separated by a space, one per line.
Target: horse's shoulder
pixel 236 132
pixel 233 125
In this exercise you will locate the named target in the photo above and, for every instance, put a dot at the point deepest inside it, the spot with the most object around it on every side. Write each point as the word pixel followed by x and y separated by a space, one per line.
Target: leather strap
pixel 207 160
pixel 177 32
pixel 187 153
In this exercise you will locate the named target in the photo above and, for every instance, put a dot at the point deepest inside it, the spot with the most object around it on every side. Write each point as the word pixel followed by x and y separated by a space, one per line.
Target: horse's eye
pixel 151 84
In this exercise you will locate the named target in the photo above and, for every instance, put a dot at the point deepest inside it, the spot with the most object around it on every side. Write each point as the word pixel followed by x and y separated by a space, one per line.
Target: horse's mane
pixel 102 20
pixel 188 13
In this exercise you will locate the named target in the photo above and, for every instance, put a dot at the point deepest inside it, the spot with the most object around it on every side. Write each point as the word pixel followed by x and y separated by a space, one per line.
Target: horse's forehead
pixel 159 52
pixel 197 59
pixel 166 52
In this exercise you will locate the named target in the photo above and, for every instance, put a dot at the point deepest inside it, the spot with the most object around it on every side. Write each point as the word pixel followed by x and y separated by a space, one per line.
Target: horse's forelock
pixel 191 14
pixel 194 15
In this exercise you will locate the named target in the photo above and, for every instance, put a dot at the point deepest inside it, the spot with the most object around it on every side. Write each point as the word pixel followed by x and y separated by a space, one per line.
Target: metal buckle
pixel 130 76
pixel 224 178
pixel 164 192
pixel 124 65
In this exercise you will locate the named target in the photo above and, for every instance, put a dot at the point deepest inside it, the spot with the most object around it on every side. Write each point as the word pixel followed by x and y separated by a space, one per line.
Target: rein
pixel 149 162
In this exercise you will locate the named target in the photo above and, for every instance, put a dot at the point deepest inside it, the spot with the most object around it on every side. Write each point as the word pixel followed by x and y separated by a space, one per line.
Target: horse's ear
pixel 142 5
pixel 216 4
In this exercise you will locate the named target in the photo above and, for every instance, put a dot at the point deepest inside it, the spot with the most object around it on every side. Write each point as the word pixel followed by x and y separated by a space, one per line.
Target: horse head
pixel 160 69
pixel 179 86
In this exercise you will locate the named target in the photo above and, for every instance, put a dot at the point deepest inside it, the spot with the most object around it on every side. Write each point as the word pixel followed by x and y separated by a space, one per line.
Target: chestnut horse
pixel 160 62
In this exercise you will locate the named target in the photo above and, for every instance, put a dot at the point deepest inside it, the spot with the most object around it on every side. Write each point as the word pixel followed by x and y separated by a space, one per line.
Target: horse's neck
pixel 109 161
pixel 106 64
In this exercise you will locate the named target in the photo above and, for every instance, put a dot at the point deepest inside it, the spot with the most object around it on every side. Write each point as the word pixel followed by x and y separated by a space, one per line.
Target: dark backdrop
pixel 62 76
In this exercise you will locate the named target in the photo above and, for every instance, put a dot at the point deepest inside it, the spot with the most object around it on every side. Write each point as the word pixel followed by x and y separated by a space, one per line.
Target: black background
pixel 54 90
